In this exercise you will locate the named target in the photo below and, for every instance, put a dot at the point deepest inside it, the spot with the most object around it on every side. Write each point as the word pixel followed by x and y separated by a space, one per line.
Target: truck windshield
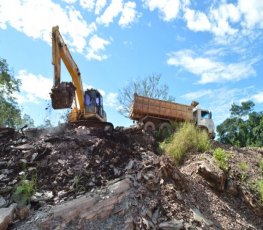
pixel 205 115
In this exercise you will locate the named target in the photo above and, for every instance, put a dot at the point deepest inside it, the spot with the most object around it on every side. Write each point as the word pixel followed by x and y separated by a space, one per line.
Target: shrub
pixel 260 189
pixel 261 166
pixel 24 190
pixel 188 138
pixel 222 158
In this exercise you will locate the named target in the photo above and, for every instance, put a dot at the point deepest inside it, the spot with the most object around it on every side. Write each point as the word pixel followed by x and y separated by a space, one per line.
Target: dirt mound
pixel 91 179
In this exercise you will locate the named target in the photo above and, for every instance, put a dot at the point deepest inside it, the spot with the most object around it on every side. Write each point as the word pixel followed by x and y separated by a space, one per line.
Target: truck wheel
pixel 165 130
pixel 149 127
pixel 165 127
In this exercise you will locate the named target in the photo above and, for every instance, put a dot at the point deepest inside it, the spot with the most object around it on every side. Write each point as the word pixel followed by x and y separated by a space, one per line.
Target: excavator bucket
pixel 62 95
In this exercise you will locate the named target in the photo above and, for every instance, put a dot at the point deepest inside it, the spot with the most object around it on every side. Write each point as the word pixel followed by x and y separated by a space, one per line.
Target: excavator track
pixel 106 126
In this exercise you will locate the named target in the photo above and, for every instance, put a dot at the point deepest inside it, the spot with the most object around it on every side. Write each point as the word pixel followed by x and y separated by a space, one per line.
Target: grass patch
pixel 221 158
pixel 76 186
pixel 243 166
pixel 188 138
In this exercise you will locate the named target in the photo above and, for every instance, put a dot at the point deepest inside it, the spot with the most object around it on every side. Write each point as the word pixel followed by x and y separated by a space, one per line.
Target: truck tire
pixel 149 127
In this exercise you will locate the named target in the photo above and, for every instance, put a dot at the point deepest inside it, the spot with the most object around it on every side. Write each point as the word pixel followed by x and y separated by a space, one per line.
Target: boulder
pixel 6 217
pixel 88 207
pixel 213 175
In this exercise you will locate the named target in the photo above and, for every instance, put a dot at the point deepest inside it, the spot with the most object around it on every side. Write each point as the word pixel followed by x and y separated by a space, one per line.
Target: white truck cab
pixel 203 119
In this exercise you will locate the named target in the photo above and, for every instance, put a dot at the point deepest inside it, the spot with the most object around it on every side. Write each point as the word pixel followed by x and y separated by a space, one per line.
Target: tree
pixel 27 120
pixel 150 86
pixel 243 110
pixel 10 115
pixel 243 128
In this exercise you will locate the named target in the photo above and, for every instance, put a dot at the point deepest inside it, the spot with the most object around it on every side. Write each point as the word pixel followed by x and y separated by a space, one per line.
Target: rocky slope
pixel 93 179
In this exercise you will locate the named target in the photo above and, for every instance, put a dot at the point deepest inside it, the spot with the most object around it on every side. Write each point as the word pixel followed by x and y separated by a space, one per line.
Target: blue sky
pixel 209 51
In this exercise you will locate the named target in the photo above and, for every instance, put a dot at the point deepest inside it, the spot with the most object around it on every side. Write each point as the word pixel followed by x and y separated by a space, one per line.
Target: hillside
pixel 89 179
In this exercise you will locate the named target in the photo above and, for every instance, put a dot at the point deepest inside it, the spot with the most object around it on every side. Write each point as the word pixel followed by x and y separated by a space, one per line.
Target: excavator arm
pixel 88 108
pixel 63 93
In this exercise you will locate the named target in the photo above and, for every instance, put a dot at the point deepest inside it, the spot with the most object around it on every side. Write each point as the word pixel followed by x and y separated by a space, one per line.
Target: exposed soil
pixel 68 163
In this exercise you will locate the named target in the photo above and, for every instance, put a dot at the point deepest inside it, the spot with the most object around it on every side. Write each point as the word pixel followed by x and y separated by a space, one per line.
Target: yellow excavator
pixel 86 106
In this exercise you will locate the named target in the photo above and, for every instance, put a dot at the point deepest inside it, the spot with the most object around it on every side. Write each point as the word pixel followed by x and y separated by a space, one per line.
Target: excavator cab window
pixel 93 102
pixel 87 99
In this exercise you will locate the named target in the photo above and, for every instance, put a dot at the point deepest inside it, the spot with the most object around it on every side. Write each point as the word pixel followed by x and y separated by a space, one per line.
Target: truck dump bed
pixel 145 106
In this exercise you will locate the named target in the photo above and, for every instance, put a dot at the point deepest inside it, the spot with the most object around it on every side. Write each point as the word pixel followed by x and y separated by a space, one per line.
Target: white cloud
pixel 197 21
pixel 221 18
pixel 128 14
pixel 258 97
pixel 169 9
pixel 215 52
pixel 33 87
pixel 198 94
pixel 211 71
pixel 227 18
pixel 111 99
pixel 217 21
pixel 96 46
pixel 36 18
pixel 100 4
pixel 87 4
pixel 252 11
pixel 70 1
pixel 112 11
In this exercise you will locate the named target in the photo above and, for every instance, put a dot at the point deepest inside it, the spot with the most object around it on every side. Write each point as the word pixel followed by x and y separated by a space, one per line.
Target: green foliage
pixel 243 110
pixel 243 166
pixel 77 186
pixel 261 166
pixel 25 190
pixel 149 86
pixel 244 128
pixel 187 139
pixel 260 189
pixel 222 158
pixel 8 84
pixel 10 115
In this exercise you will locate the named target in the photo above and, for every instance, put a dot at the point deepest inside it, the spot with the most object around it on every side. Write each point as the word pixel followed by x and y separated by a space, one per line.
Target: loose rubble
pixel 94 179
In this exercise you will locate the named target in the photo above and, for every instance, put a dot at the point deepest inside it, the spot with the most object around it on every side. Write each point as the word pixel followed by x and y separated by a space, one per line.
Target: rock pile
pixel 84 178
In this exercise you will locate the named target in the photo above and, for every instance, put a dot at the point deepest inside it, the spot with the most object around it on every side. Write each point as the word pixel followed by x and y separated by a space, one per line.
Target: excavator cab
pixel 62 95
pixel 94 103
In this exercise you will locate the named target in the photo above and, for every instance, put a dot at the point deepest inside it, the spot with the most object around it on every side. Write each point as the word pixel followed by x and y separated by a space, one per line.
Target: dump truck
pixel 154 114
